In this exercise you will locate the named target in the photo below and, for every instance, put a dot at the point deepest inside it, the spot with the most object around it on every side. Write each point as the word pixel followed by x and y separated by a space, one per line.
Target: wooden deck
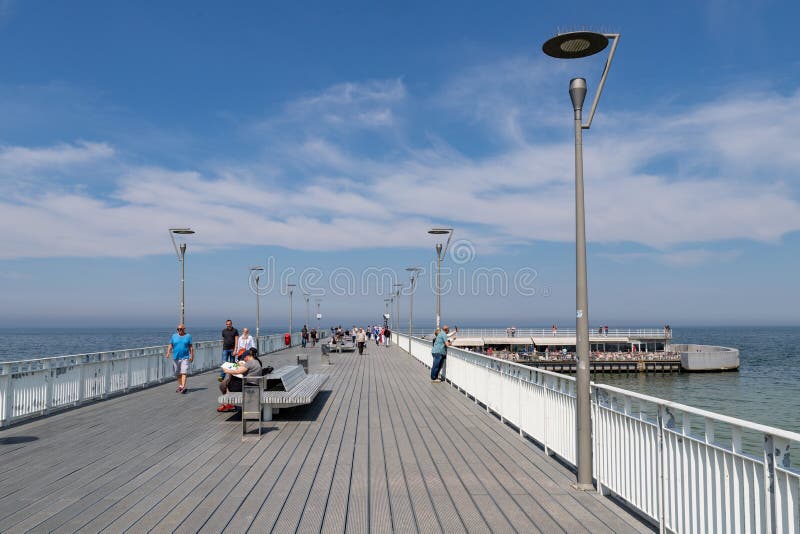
pixel 381 449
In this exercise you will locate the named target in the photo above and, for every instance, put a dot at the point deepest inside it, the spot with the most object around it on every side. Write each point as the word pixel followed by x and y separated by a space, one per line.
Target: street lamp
pixel 398 287
pixel 181 257
pixel 290 287
pixel 308 311
pixel 440 253
pixel 570 46
pixel 319 315
pixel 256 271
pixel 414 274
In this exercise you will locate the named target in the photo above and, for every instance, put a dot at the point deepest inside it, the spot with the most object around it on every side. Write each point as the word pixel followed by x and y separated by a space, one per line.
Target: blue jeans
pixel 227 356
pixel 438 360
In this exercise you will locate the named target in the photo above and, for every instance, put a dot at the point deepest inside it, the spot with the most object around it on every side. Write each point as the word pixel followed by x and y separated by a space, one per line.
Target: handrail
pixel 663 458
pixel 658 333
pixel 40 386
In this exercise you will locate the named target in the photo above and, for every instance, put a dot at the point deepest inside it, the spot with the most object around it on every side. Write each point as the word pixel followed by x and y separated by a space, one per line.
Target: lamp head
pixel 577 92
pixel 573 45
pixel 440 231
pixel 181 231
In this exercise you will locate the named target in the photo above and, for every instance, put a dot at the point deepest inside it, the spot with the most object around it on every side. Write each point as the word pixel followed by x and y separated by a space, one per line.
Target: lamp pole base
pixel 582 487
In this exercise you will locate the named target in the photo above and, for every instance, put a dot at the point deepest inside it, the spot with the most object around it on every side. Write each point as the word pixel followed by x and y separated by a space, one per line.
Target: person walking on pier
pixel 361 340
pixel 304 336
pixel 439 352
pixel 230 336
pixel 182 352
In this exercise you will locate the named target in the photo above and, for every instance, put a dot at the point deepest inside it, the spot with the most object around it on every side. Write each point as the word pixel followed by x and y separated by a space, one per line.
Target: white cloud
pixel 18 158
pixel 724 170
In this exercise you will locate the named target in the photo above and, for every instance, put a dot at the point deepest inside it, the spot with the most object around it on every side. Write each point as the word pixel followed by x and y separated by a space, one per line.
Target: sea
pixel 764 390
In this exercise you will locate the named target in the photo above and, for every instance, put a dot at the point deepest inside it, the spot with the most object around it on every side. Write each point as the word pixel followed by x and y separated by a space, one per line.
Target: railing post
pixel 128 375
pixel 48 384
pixel 82 383
pixel 6 386
pixel 662 464
pixel 769 482
pixel 106 376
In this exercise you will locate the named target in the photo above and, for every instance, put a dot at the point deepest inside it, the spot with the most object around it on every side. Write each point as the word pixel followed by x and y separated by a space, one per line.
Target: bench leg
pixel 266 413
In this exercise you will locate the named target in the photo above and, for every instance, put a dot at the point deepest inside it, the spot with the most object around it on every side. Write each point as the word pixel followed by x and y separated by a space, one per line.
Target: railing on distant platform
pixel 31 388
pixel 687 469
pixel 658 333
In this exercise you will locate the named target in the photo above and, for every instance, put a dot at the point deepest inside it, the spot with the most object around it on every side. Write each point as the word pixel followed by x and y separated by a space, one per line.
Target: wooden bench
pixel 283 388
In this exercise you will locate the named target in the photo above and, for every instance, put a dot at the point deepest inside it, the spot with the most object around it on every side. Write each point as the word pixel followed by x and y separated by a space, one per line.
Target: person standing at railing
pixel 244 343
pixel 554 329
pixel 182 352
pixel 439 352
pixel 230 336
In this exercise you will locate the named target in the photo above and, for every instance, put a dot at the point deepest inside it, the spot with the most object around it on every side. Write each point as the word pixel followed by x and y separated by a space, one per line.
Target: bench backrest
pixel 286 378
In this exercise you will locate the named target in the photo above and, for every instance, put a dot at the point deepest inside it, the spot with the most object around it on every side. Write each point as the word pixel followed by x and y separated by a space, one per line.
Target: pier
pixel 381 449
pixel 102 442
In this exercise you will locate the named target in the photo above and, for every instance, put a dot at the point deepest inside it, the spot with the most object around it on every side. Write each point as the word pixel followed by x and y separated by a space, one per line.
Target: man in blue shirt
pixel 439 352
pixel 182 352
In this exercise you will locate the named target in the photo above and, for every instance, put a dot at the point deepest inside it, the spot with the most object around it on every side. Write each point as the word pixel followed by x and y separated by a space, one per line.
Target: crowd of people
pixel 564 355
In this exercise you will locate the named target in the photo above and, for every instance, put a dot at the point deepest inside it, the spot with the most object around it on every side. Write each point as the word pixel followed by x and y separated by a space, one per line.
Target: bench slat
pixel 302 393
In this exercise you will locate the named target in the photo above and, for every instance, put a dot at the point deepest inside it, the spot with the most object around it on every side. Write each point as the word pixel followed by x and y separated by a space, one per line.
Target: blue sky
pixel 324 139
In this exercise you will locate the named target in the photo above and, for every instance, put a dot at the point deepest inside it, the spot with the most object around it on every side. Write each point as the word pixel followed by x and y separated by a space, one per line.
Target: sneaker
pixel 179 389
pixel 222 408
pixel 228 408
pixel 183 390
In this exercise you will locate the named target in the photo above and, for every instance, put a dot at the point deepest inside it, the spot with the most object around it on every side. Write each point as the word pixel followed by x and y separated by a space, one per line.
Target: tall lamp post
pixel 414 273
pixel 255 272
pixel 319 315
pixel 398 289
pixel 387 302
pixel 441 251
pixel 308 310
pixel 181 253
pixel 570 46
pixel 291 287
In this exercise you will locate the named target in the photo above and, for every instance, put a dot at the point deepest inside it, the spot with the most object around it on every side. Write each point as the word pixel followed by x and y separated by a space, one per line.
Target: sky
pixel 322 140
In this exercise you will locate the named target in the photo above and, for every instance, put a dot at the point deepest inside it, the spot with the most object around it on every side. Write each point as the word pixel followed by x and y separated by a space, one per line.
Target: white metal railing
pixel 31 388
pixel 657 333
pixel 688 470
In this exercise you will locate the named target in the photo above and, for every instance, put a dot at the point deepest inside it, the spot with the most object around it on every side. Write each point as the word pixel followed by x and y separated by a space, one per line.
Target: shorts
pixel 180 367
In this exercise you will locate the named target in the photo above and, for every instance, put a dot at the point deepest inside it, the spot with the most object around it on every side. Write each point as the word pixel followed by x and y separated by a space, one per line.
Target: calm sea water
pixel 764 390
pixel 23 344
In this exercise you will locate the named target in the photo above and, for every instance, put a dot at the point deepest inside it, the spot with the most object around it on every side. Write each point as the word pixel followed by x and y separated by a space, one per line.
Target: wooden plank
pixel 296 504
pixel 402 513
pixel 317 503
pixel 336 510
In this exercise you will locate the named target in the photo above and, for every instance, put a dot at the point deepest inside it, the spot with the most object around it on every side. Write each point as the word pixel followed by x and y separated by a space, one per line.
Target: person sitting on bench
pixel 250 366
